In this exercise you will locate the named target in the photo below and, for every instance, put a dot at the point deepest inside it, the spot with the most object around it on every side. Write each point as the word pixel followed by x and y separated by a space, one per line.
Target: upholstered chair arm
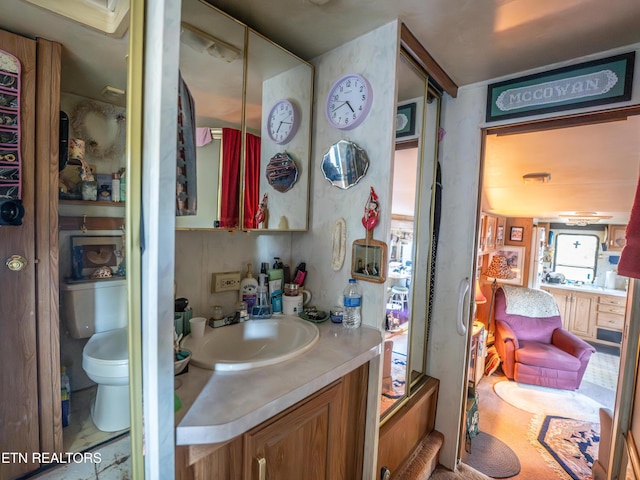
pixel 504 334
pixel 567 341
pixel 506 344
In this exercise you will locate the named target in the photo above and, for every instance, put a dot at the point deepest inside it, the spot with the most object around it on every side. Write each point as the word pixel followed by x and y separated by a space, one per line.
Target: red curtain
pixel 230 177
pixel 252 181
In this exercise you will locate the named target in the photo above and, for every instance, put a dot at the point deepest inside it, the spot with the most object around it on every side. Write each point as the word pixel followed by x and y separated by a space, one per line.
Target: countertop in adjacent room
pixel 584 288
pixel 218 406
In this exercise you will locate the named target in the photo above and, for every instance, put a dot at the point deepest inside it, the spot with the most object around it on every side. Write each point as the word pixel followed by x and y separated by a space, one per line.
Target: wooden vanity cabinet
pixel 321 437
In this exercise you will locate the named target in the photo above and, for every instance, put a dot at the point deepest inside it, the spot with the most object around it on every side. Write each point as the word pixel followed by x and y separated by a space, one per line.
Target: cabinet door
pixel 562 299
pixel 306 443
pixel 582 315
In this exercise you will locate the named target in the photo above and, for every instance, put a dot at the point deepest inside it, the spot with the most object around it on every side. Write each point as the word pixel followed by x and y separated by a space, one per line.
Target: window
pixel 576 256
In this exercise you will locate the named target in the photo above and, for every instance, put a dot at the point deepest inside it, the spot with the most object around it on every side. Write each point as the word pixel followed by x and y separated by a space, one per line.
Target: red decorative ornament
pixel 371 211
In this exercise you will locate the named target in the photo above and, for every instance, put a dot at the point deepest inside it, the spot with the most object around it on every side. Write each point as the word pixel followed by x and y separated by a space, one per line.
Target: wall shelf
pixel 89 202
pixel 90 223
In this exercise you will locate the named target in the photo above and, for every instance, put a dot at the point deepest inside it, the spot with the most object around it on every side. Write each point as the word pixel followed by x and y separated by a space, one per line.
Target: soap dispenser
pixel 262 307
pixel 248 289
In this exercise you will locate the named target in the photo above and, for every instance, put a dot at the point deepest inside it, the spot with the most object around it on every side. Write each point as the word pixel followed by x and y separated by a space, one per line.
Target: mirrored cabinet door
pixel 212 49
pixel 410 236
pixel 278 138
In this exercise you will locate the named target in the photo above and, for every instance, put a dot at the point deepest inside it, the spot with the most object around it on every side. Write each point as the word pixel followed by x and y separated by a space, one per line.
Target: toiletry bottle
pixel 115 187
pixel 276 285
pixel 248 289
pixel 65 395
pixel 301 272
pixel 123 186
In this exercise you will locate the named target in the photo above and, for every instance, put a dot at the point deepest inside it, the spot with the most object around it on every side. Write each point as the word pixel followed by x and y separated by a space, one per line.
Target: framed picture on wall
pixel 517 234
pixel 490 232
pixel 500 231
pixel 515 260
pixel 408 120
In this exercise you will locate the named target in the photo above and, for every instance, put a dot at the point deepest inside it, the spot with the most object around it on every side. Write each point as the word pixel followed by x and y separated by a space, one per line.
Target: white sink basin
pixel 251 344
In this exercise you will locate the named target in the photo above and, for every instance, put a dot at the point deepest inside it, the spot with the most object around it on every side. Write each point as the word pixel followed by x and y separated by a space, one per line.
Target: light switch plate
pixel 225 281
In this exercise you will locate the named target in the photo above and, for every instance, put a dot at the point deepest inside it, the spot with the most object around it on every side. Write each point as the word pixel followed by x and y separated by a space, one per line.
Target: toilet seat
pixel 109 348
pixel 106 356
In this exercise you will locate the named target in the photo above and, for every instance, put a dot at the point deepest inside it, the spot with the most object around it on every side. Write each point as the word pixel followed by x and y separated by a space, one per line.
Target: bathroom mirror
pixel 212 48
pixel 276 164
pixel 345 164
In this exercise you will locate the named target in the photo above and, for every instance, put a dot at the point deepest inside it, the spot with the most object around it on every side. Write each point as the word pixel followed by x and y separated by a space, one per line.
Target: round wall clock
pixel 282 123
pixel 349 101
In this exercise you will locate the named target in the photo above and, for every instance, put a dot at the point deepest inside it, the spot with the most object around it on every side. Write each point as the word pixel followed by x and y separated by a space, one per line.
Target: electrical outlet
pixel 225 282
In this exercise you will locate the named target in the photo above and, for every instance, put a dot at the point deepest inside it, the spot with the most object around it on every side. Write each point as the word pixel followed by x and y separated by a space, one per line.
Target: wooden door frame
pixel 46 243
pixel 630 348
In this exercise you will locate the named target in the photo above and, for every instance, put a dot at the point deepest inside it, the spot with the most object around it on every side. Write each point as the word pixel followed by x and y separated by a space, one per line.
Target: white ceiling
pixel 472 40
pixel 594 168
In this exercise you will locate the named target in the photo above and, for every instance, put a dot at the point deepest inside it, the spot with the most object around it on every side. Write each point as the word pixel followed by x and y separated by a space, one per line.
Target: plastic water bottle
pixel 352 295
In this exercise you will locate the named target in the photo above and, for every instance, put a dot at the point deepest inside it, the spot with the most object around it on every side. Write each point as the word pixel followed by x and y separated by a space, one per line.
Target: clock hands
pixel 280 125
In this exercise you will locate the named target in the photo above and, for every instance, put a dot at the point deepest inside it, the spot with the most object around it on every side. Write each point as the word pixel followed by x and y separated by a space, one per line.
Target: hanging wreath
pixel 104 113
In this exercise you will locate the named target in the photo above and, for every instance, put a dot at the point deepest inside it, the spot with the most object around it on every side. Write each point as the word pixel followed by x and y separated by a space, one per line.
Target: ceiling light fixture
pixel 539 177
pixel 583 219
pixel 202 42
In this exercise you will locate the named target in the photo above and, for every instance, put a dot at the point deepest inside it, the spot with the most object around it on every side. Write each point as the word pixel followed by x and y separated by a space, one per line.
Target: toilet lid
pixel 108 347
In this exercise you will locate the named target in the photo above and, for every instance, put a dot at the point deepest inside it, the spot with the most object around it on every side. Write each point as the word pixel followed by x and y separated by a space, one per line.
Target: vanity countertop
pixel 218 406
pixel 584 288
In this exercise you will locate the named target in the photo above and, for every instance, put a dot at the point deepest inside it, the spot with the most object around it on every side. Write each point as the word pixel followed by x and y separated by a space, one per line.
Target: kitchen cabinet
pixel 321 437
pixel 564 305
pixel 616 237
pixel 577 310
pixel 591 316
pixel 610 318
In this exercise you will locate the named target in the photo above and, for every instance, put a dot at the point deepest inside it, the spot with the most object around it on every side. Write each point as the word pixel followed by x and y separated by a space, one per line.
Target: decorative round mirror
pixel 345 164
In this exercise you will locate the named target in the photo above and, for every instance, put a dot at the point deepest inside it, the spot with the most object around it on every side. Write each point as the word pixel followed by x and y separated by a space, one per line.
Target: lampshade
pixel 480 298
pixel 499 269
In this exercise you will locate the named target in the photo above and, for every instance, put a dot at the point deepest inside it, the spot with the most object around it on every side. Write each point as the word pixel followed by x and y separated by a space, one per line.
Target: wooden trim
pixel 91 223
pixel 426 61
pixel 603 116
pixel 406 145
pixel 46 243
pixel 401 434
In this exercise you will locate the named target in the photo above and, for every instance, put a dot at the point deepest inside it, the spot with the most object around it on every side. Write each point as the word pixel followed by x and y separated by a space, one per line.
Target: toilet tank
pixel 93 307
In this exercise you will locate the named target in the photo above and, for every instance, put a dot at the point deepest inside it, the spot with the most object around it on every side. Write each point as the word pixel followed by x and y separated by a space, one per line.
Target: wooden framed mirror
pixel 369 259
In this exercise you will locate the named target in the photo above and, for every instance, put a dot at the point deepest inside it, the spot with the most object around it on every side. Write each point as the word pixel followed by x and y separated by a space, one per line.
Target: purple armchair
pixel 537 350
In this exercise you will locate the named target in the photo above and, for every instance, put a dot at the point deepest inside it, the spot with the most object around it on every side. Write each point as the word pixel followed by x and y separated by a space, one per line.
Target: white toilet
pixel 99 310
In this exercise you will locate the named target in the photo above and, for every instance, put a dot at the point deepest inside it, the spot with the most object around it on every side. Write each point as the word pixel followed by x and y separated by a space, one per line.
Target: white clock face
pixel 349 101
pixel 282 122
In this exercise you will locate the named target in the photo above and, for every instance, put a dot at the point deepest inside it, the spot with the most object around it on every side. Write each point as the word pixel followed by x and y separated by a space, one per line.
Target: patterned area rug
pixel 398 374
pixel 548 401
pixel 569 446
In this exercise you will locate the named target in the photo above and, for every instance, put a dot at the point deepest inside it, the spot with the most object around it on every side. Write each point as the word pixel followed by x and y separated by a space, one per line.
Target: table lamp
pixel 498 270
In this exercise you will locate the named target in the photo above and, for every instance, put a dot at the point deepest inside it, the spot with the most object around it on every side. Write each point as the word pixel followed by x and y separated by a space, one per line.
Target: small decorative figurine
pixel 262 215
pixel 371 211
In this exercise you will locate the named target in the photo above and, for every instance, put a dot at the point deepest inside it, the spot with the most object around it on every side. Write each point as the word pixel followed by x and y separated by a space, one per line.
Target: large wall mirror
pixel 249 154
pixel 278 137
pixel 212 48
pixel 410 236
